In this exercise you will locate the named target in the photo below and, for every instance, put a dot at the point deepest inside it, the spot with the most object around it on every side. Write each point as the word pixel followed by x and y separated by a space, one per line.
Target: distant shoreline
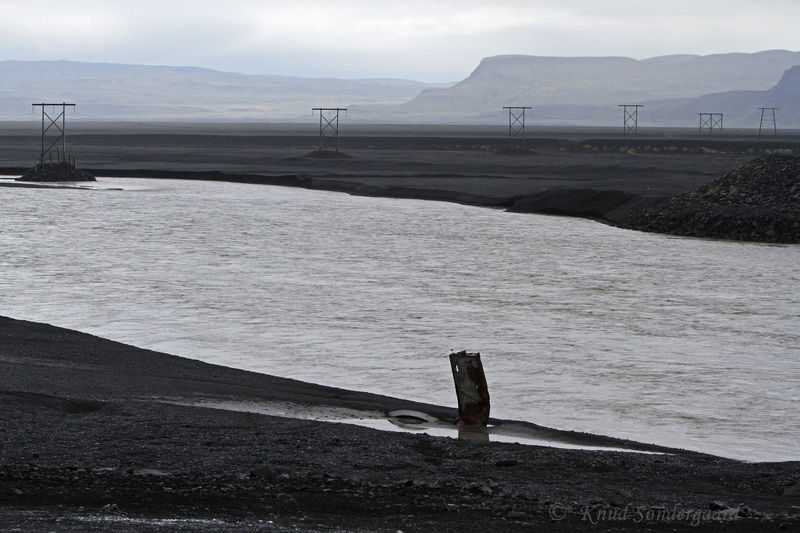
pixel 580 203
pixel 600 178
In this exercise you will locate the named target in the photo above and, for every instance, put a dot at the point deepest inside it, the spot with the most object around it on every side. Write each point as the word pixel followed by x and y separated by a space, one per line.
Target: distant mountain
pixel 740 109
pixel 139 92
pixel 561 91
pixel 586 90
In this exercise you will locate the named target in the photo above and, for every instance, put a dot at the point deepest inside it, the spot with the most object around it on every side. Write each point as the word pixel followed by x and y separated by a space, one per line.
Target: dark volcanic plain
pixel 88 444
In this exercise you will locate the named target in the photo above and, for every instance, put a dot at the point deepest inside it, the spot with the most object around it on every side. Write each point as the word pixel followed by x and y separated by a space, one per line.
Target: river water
pixel 681 342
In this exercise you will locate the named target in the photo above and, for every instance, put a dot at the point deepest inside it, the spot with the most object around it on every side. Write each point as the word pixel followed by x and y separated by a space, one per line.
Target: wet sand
pixel 94 437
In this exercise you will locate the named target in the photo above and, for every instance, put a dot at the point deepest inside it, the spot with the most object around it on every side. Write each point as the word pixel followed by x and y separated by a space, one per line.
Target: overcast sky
pixel 428 40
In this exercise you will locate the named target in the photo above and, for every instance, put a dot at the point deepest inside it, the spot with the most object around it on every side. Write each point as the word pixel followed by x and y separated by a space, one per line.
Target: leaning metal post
pixel 471 389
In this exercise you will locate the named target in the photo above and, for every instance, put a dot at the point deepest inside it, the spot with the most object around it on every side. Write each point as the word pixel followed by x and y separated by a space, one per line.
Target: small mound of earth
pixel 328 154
pixel 52 172
pixel 759 201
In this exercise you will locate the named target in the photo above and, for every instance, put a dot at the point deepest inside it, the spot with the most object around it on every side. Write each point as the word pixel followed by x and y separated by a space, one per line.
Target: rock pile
pixel 63 171
pixel 759 201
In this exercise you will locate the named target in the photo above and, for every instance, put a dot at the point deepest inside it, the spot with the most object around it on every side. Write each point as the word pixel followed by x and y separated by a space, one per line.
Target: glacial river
pixel 681 342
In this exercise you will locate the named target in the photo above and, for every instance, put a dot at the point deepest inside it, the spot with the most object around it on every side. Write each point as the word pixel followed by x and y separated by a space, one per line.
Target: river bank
pixel 604 178
pixel 100 434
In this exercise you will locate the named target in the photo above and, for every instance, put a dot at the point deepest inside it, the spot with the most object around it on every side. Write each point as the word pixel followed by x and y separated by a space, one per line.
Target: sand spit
pixel 89 443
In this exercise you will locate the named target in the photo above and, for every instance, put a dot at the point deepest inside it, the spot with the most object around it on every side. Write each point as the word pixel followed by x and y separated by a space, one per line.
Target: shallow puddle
pixel 399 421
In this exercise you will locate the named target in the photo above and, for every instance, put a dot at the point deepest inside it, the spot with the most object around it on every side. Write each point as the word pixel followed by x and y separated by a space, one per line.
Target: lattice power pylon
pixel 328 126
pixel 50 144
pixel 710 122
pixel 516 125
pixel 630 120
pixel 767 116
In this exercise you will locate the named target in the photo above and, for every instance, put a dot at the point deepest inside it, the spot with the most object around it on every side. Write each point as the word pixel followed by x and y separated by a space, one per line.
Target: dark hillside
pixel 758 201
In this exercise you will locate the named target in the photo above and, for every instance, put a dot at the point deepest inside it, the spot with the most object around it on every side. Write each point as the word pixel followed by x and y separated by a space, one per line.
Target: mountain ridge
pixel 586 90
pixel 121 91
pixel 582 91
pixel 740 108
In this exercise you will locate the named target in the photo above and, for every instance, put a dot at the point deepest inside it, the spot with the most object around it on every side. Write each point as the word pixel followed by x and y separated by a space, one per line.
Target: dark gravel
pixel 86 447
pixel 758 201
pixel 55 172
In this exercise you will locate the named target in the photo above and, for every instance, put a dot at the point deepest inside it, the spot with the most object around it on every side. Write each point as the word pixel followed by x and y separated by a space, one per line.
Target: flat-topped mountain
pixel 504 80
pixel 587 90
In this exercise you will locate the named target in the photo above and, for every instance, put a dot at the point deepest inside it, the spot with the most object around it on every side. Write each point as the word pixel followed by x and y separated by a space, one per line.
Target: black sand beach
pixel 93 439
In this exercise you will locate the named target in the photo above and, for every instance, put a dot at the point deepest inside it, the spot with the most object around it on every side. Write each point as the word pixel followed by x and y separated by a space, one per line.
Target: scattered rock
pixel 263 472
pixel 717 506
pixel 792 490
pixel 110 508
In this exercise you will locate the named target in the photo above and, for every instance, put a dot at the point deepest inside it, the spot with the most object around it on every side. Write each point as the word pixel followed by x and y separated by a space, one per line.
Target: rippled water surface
pixel 682 342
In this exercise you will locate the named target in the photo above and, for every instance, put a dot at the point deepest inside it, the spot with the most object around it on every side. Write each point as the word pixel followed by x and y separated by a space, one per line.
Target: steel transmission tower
pixel 767 116
pixel 630 120
pixel 328 126
pixel 516 125
pixel 58 137
pixel 710 122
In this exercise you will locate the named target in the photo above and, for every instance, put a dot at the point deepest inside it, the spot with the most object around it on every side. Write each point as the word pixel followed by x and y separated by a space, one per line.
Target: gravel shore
pixel 613 180
pixel 98 435
pixel 758 201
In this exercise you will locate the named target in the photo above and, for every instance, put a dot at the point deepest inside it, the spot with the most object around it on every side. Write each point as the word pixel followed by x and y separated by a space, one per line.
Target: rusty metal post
pixel 471 388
